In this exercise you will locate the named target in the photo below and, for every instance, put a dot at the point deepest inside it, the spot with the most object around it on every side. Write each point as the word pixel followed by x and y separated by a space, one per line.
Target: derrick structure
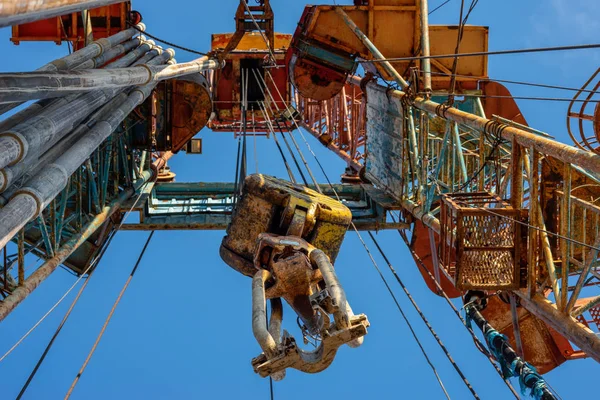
pixel 459 167
pixel 494 209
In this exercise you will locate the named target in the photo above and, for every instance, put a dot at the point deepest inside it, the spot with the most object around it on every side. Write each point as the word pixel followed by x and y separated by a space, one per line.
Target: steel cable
pixel 108 318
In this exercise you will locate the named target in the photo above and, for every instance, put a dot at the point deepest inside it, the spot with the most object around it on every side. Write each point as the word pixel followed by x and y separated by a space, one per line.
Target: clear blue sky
pixel 183 329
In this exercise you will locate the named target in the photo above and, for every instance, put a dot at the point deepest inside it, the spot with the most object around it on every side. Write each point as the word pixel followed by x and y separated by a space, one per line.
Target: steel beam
pixel 564 324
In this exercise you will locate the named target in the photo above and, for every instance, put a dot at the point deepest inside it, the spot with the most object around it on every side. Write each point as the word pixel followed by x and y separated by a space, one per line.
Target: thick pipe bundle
pixel 14 12
pixel 41 85
pixel 30 200
pixel 36 135
pixel 91 51
pixel 113 52
pixel 33 164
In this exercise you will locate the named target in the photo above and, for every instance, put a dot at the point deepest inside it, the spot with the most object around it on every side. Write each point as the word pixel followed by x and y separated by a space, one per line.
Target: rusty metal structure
pixel 493 211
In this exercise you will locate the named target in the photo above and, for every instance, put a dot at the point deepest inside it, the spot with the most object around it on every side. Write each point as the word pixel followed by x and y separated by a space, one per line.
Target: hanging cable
pixel 416 306
pixel 271 55
pixel 414 334
pixel 559 236
pixel 265 90
pixel 254 135
pixel 287 144
pixel 438 7
pixel 166 42
pixel 539 85
pixel 555 99
pixel 64 320
pixel 244 109
pixel 87 360
pixel 489 53
pixel 91 267
pixel 291 134
pixel 479 344
pixel 236 185
pixel 272 130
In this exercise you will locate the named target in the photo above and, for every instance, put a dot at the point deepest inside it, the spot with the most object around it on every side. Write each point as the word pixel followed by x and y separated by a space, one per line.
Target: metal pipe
pixel 33 164
pixel 77 58
pixel 42 188
pixel 112 53
pixel 425 47
pixel 41 132
pixel 15 12
pixel 259 314
pixel 585 159
pixel 564 324
pixel 338 296
pixel 40 85
pixel 91 63
pixel 24 114
pixel 371 47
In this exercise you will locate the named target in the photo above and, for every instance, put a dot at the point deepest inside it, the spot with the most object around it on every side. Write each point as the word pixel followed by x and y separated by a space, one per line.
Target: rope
pixel 90 268
pixel 416 306
pixel 254 135
pixel 87 360
pixel 479 344
pixel 489 53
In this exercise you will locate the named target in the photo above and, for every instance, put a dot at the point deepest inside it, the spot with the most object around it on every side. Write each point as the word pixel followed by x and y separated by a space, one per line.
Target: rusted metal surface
pixel 35 279
pixel 583 119
pixel 567 326
pixel 483 251
pixel 539 347
pixel 13 12
pixel 584 159
pixel 269 205
pixel 421 245
pixel 498 100
pixel 305 277
pixel 250 18
pixel 176 112
pixel 324 49
pixel 339 123
pixel 106 21
pixel 226 84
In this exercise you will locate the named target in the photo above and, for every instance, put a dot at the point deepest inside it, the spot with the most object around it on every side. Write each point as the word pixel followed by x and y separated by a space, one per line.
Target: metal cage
pixel 483 242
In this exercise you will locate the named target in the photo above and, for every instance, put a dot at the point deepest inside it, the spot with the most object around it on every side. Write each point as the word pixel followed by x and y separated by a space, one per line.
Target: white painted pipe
pixel 30 201
pixel 14 12
pixel 72 61
pixel 40 85
pixel 38 134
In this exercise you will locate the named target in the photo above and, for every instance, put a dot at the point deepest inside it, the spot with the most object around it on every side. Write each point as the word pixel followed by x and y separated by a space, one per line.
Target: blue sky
pixel 183 329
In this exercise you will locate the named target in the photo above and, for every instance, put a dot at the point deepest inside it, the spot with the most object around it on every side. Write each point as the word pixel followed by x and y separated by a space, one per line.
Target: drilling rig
pixel 493 211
